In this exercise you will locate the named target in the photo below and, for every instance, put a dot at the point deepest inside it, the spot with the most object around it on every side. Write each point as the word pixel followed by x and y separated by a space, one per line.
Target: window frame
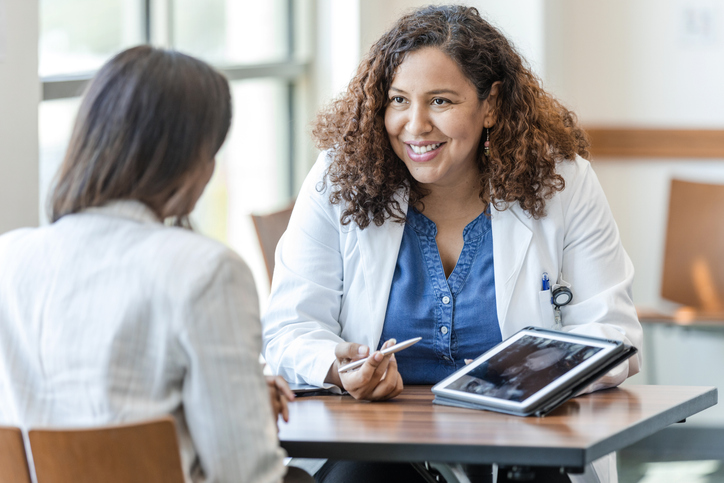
pixel 158 31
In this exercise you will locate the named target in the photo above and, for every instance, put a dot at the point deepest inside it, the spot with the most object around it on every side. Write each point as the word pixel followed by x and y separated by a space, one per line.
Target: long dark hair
pixel 533 130
pixel 148 122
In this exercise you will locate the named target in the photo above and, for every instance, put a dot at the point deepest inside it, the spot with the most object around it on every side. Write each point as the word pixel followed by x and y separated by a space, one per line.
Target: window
pixel 260 46
pixel 79 35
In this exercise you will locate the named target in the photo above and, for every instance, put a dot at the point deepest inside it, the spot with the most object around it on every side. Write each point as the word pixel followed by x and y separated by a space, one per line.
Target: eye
pixel 397 99
pixel 439 101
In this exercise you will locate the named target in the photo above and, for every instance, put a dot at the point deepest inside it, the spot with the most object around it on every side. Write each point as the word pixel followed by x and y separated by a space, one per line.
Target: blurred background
pixel 644 76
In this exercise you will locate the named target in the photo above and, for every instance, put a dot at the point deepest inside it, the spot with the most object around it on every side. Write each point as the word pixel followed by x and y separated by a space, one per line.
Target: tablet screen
pixel 523 368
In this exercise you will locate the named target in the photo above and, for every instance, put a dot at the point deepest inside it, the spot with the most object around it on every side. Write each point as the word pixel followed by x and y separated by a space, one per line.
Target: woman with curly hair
pixel 450 184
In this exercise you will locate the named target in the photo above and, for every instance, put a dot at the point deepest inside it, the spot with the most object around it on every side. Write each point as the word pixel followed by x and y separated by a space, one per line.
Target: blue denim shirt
pixel 456 317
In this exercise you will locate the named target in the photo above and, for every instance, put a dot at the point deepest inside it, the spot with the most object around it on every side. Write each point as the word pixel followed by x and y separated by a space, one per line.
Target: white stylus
pixel 395 348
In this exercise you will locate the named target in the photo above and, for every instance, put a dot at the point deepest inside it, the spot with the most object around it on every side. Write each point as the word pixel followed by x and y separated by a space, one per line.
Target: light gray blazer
pixel 108 316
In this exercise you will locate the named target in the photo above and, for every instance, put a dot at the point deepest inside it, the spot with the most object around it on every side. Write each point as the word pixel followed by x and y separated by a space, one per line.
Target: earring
pixel 486 145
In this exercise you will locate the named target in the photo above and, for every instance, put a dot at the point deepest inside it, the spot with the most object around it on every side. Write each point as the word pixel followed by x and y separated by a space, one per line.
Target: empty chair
pixel 694 256
pixel 13 463
pixel 129 453
pixel 269 229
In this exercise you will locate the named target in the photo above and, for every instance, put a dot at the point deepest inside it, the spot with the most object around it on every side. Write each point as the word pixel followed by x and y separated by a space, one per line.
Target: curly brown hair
pixel 533 131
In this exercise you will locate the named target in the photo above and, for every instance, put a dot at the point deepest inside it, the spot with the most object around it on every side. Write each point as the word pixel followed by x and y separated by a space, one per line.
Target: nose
pixel 419 121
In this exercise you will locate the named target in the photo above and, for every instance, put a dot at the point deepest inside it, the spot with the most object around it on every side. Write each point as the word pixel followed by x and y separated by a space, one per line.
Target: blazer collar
pixel 130 209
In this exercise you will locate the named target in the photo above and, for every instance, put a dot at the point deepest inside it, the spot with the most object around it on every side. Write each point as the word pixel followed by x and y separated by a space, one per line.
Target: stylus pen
pixel 390 350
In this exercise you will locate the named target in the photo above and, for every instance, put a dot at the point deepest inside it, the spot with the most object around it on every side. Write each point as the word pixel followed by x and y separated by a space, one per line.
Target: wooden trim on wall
pixel 656 143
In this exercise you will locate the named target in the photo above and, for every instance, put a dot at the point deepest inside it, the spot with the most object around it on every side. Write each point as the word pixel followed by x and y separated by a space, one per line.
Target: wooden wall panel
pixel 656 143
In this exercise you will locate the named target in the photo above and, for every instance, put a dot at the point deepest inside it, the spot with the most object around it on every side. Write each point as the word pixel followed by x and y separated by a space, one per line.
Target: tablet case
pixel 555 399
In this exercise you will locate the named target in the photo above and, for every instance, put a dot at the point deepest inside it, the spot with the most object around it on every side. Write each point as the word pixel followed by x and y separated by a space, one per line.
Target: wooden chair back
pixel 694 255
pixel 269 229
pixel 130 453
pixel 13 463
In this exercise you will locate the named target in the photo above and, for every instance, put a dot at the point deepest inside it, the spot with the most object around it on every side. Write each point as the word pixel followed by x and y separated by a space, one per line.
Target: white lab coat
pixel 332 282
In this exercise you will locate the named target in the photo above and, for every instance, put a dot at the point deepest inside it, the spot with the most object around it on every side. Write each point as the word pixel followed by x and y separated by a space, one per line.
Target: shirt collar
pixel 420 223
pixel 130 209
pixel 424 226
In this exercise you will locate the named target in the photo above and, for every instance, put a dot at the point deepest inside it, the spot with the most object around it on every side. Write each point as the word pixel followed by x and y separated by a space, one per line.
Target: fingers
pixel 279 395
pixel 283 388
pixel 275 406
pixel 284 408
pixel 351 351
pixel 284 395
pixel 377 378
pixel 389 343
pixel 375 367
pixel 391 385
pixel 344 352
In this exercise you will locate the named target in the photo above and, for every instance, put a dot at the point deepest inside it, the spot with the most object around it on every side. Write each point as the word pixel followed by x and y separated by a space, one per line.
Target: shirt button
pixel 443 330
pixel 446 358
pixel 446 300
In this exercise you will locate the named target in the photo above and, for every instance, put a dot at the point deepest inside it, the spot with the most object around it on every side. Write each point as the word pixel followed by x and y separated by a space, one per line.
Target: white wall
pixel 19 98
pixel 651 63
pixel 641 63
pixel 520 20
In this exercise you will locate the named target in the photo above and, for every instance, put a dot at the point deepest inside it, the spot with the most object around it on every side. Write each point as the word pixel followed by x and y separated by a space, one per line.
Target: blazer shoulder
pixel 196 249
pixel 14 236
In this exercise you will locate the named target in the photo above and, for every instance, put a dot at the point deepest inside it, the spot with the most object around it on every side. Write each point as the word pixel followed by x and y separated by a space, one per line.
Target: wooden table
pixel 411 428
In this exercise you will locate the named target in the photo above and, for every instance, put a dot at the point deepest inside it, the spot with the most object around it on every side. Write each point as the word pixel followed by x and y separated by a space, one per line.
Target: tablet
pixel 300 388
pixel 532 372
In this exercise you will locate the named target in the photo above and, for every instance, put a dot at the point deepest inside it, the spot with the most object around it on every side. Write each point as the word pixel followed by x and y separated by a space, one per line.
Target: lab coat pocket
pixel 548 317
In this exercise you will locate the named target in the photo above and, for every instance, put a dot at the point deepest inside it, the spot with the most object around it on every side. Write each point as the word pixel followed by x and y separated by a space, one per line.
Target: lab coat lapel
pixel 379 247
pixel 511 238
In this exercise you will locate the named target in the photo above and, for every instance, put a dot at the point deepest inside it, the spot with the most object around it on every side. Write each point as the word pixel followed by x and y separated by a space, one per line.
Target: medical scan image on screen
pixel 523 368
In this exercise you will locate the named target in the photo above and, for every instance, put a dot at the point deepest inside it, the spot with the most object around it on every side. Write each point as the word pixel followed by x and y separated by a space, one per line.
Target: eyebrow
pixel 435 92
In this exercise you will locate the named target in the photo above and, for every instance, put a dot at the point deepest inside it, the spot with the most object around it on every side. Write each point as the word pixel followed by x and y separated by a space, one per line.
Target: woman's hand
pixel 280 396
pixel 376 380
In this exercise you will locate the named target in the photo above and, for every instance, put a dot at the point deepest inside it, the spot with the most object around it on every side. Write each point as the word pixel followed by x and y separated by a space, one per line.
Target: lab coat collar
pixel 511 239
pixel 379 247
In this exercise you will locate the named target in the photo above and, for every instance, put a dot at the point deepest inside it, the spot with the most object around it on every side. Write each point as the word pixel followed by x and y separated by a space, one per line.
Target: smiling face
pixel 435 120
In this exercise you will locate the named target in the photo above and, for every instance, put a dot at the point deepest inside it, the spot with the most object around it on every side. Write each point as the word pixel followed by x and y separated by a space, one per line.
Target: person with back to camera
pixel 109 316
pixel 450 183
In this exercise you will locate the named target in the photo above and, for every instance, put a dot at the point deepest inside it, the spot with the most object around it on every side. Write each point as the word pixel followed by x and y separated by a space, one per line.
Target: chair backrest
pixel 694 256
pixel 13 463
pixel 113 454
pixel 269 229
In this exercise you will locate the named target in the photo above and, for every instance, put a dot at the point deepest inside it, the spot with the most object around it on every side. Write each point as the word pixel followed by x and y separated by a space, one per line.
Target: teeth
pixel 424 149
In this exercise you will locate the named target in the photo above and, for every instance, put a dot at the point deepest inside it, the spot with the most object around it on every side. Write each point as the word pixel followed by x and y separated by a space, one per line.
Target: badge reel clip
pixel 560 295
